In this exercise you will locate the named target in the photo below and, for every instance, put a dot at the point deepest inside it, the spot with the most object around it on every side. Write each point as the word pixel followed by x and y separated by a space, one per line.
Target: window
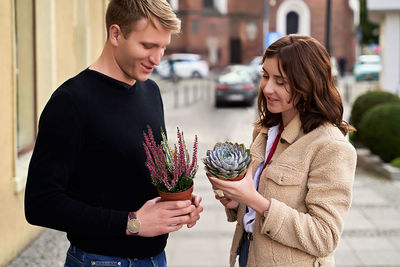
pixel 25 75
pixel 208 3
pixel 292 22
pixel 195 26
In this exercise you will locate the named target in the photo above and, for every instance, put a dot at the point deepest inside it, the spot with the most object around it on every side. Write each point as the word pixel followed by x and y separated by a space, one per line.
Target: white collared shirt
pixel 249 217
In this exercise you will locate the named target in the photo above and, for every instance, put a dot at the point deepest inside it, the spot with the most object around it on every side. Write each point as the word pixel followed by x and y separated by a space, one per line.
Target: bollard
pixel 195 92
pixel 176 94
pixel 186 94
pixel 347 92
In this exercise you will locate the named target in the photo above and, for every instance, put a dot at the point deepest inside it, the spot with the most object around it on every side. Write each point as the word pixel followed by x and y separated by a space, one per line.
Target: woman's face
pixel 276 91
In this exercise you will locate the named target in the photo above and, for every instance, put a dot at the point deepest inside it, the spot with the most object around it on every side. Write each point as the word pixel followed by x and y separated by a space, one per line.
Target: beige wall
pixel 69 36
pixel 14 231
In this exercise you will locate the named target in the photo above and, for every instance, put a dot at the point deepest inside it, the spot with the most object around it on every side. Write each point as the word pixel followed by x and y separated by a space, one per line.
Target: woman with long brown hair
pixel 291 205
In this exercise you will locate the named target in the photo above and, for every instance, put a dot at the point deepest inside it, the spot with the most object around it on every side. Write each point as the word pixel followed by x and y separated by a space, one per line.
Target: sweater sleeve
pixel 54 159
pixel 328 200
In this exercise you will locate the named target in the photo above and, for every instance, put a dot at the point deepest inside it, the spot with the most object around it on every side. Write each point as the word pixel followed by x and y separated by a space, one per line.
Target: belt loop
pixel 248 236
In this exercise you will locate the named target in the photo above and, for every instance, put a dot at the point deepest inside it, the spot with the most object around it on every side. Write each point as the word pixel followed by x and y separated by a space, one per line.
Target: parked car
pixel 185 65
pixel 248 69
pixel 255 64
pixel 367 68
pixel 234 86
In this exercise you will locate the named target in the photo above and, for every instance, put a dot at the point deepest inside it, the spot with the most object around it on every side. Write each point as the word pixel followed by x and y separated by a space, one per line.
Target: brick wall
pixel 220 27
pixel 342 35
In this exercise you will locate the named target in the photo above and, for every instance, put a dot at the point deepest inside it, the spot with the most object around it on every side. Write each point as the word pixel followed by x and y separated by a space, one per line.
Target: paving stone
pixel 346 258
pixel 383 218
pixel 367 197
pixel 356 220
pixel 379 257
pixel 370 243
pixel 343 244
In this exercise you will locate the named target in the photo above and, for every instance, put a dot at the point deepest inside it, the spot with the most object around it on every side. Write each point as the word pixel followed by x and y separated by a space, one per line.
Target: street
pixel 372 230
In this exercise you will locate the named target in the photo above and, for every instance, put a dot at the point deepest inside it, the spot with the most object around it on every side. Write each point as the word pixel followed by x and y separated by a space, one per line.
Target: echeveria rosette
pixel 227 161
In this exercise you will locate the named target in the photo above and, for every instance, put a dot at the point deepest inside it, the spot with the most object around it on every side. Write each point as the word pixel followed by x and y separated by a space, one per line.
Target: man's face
pixel 141 51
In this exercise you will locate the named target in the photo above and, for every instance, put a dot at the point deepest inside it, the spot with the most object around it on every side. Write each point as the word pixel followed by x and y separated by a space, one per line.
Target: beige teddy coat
pixel 309 183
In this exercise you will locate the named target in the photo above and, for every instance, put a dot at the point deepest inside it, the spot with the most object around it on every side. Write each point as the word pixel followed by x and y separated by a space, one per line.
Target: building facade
pixel 310 17
pixel 229 31
pixel 44 43
pixel 222 31
pixel 387 14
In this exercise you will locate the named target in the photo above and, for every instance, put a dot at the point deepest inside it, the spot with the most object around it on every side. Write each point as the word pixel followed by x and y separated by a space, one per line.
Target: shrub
pixel 396 162
pixel 380 130
pixel 365 102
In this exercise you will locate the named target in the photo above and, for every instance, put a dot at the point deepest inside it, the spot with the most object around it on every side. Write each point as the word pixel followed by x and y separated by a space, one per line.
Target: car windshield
pixel 369 59
pixel 234 77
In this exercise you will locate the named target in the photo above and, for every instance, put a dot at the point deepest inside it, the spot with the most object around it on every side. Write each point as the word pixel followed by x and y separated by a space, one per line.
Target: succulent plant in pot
pixel 227 161
pixel 170 169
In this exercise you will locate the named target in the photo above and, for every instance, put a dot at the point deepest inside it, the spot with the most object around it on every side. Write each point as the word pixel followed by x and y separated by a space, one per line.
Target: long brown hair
pixel 307 66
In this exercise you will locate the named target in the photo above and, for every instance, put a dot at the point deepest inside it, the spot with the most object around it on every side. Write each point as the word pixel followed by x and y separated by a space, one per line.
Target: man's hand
pixel 157 218
pixel 195 215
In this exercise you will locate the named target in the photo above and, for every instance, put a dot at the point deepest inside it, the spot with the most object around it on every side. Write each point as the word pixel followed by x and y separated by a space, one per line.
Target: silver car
pixel 235 86
pixel 184 65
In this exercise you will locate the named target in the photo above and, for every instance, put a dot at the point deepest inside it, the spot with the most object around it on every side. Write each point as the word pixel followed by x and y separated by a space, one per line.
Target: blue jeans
pixel 244 252
pixel 79 258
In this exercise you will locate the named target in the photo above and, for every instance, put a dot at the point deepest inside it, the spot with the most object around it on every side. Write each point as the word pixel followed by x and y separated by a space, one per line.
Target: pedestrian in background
pixel 342 66
pixel 291 205
pixel 87 175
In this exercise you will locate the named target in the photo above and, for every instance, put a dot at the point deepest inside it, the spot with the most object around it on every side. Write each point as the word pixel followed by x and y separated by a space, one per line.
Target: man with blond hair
pixel 87 175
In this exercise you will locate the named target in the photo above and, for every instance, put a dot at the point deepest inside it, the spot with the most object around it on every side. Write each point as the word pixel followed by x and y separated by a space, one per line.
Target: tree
pixel 369 30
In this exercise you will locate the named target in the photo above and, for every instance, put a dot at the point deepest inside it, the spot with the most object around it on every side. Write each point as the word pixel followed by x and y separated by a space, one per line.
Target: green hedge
pixel 365 102
pixel 396 162
pixel 380 130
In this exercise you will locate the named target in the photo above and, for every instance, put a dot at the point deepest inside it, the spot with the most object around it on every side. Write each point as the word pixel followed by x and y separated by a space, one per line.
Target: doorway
pixel 236 50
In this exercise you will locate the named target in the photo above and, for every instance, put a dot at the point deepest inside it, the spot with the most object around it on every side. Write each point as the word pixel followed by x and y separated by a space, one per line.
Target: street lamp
pixel 328 27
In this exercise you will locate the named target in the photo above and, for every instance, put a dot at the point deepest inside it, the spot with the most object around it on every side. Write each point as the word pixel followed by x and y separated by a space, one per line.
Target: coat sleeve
pixel 54 159
pixel 328 200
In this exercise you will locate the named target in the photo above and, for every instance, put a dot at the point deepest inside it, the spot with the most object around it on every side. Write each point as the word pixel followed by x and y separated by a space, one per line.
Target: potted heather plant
pixel 227 161
pixel 170 169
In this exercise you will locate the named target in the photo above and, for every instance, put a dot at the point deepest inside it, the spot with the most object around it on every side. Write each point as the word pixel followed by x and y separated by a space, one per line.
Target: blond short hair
pixel 125 13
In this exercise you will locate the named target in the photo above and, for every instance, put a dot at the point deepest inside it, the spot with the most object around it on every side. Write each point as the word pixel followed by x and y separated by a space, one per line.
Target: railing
pixel 184 92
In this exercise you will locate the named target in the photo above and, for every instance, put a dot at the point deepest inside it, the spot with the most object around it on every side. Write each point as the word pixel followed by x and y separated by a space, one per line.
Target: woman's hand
pixel 242 191
pixel 238 191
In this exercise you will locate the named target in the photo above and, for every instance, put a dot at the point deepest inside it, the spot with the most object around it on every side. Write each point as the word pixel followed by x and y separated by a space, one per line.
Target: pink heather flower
pixel 166 166
pixel 176 170
pixel 194 156
pixel 182 161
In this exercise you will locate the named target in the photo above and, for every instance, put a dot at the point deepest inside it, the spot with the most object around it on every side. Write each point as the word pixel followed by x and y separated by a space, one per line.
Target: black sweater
pixel 88 166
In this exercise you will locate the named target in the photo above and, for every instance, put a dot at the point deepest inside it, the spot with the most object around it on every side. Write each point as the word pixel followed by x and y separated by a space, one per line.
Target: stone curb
pixel 373 163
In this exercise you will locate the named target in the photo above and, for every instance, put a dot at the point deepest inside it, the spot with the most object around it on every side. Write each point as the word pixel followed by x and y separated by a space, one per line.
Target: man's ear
pixel 115 34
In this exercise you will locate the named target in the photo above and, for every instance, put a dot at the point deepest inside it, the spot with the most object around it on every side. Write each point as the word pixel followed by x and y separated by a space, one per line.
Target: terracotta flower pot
pixel 240 177
pixel 220 193
pixel 184 195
